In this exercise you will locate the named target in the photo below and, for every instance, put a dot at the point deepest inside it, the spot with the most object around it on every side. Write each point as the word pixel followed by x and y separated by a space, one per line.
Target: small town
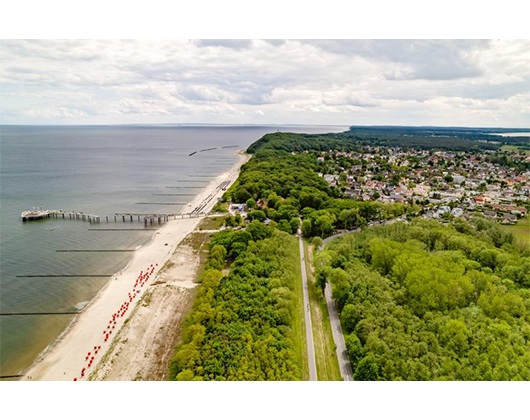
pixel 444 183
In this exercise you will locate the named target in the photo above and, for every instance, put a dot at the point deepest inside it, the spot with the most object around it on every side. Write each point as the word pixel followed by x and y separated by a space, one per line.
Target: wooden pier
pixel 146 218
pixel 151 218
pixel 57 214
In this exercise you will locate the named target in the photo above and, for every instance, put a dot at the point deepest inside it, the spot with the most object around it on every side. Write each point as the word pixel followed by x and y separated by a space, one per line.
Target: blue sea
pixel 99 170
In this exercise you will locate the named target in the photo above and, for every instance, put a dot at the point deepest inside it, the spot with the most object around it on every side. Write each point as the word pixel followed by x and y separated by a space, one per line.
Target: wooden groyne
pixel 233 146
pixel 39 313
pixel 176 194
pixel 120 230
pixel 95 250
pixel 62 275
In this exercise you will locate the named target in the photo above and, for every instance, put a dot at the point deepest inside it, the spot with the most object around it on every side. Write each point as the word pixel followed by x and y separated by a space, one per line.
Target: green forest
pixel 356 137
pixel 283 186
pixel 245 324
pixel 426 301
pixel 419 300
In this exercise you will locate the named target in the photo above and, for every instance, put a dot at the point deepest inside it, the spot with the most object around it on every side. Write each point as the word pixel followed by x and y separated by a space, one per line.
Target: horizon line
pixel 259 125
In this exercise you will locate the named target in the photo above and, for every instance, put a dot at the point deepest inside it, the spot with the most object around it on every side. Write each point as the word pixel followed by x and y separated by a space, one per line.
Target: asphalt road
pixel 338 336
pixel 336 329
pixel 307 317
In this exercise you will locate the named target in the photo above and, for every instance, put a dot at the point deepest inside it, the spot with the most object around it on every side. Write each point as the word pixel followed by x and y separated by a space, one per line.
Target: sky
pixel 445 82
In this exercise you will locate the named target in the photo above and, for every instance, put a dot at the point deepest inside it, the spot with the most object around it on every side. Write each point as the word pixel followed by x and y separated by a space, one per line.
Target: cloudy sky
pixel 418 82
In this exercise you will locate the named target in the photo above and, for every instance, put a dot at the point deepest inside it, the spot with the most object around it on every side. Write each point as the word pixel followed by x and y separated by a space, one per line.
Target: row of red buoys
pixel 136 290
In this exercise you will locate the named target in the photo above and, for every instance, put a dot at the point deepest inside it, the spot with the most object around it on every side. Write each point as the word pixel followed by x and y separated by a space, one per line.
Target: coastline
pixel 89 336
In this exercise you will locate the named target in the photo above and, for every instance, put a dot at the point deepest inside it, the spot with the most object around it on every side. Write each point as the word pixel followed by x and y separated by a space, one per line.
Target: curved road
pixel 338 336
pixel 307 317
pixel 336 329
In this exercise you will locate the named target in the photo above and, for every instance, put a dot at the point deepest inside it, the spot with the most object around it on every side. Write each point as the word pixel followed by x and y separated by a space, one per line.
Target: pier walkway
pixel 147 218
pixel 57 214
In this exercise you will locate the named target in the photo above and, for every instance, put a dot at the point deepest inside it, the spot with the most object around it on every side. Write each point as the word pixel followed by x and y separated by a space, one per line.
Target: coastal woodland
pixel 245 325
pixel 284 187
pixel 418 300
pixel 426 301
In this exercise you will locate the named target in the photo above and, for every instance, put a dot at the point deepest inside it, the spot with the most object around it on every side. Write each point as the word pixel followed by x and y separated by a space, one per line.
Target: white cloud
pixel 448 82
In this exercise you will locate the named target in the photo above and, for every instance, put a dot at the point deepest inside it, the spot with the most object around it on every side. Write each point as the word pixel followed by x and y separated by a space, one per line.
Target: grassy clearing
pixel 220 207
pixel 518 149
pixel 199 241
pixel 211 223
pixel 299 338
pixel 521 230
pixel 326 357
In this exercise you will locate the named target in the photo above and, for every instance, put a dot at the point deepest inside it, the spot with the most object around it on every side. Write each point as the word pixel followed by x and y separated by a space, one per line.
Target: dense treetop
pixel 242 325
pixel 424 301
pixel 448 138
pixel 418 300
pixel 285 186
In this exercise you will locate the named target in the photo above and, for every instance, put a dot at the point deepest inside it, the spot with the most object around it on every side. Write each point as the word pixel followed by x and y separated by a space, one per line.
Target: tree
pixel 350 317
pixel 185 375
pixel 258 230
pixel 324 224
pixel 272 200
pixel 251 203
pixel 257 215
pixel 367 369
pixel 322 272
pixel 295 223
pixel 349 218
pixel 284 226
pixel 307 228
pixel 217 257
pixel 317 242
pixel 354 348
pixel 312 197
pixel 240 195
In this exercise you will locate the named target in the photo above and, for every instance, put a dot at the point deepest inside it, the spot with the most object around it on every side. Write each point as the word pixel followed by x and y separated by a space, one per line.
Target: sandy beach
pixel 94 340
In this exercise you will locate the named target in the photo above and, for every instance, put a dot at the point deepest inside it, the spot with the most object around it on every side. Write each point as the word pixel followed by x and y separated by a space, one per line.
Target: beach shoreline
pixel 78 350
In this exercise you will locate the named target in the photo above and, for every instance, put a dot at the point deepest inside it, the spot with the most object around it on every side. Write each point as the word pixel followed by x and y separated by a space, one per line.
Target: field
pixel 521 230
pixel 508 148
pixel 326 358
pixel 211 223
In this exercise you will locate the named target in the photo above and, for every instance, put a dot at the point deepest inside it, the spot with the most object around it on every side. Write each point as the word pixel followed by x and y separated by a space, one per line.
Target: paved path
pixel 307 316
pixel 336 329
pixel 338 336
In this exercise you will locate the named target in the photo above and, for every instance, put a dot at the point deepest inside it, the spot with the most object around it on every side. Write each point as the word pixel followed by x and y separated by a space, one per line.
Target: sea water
pixel 99 170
